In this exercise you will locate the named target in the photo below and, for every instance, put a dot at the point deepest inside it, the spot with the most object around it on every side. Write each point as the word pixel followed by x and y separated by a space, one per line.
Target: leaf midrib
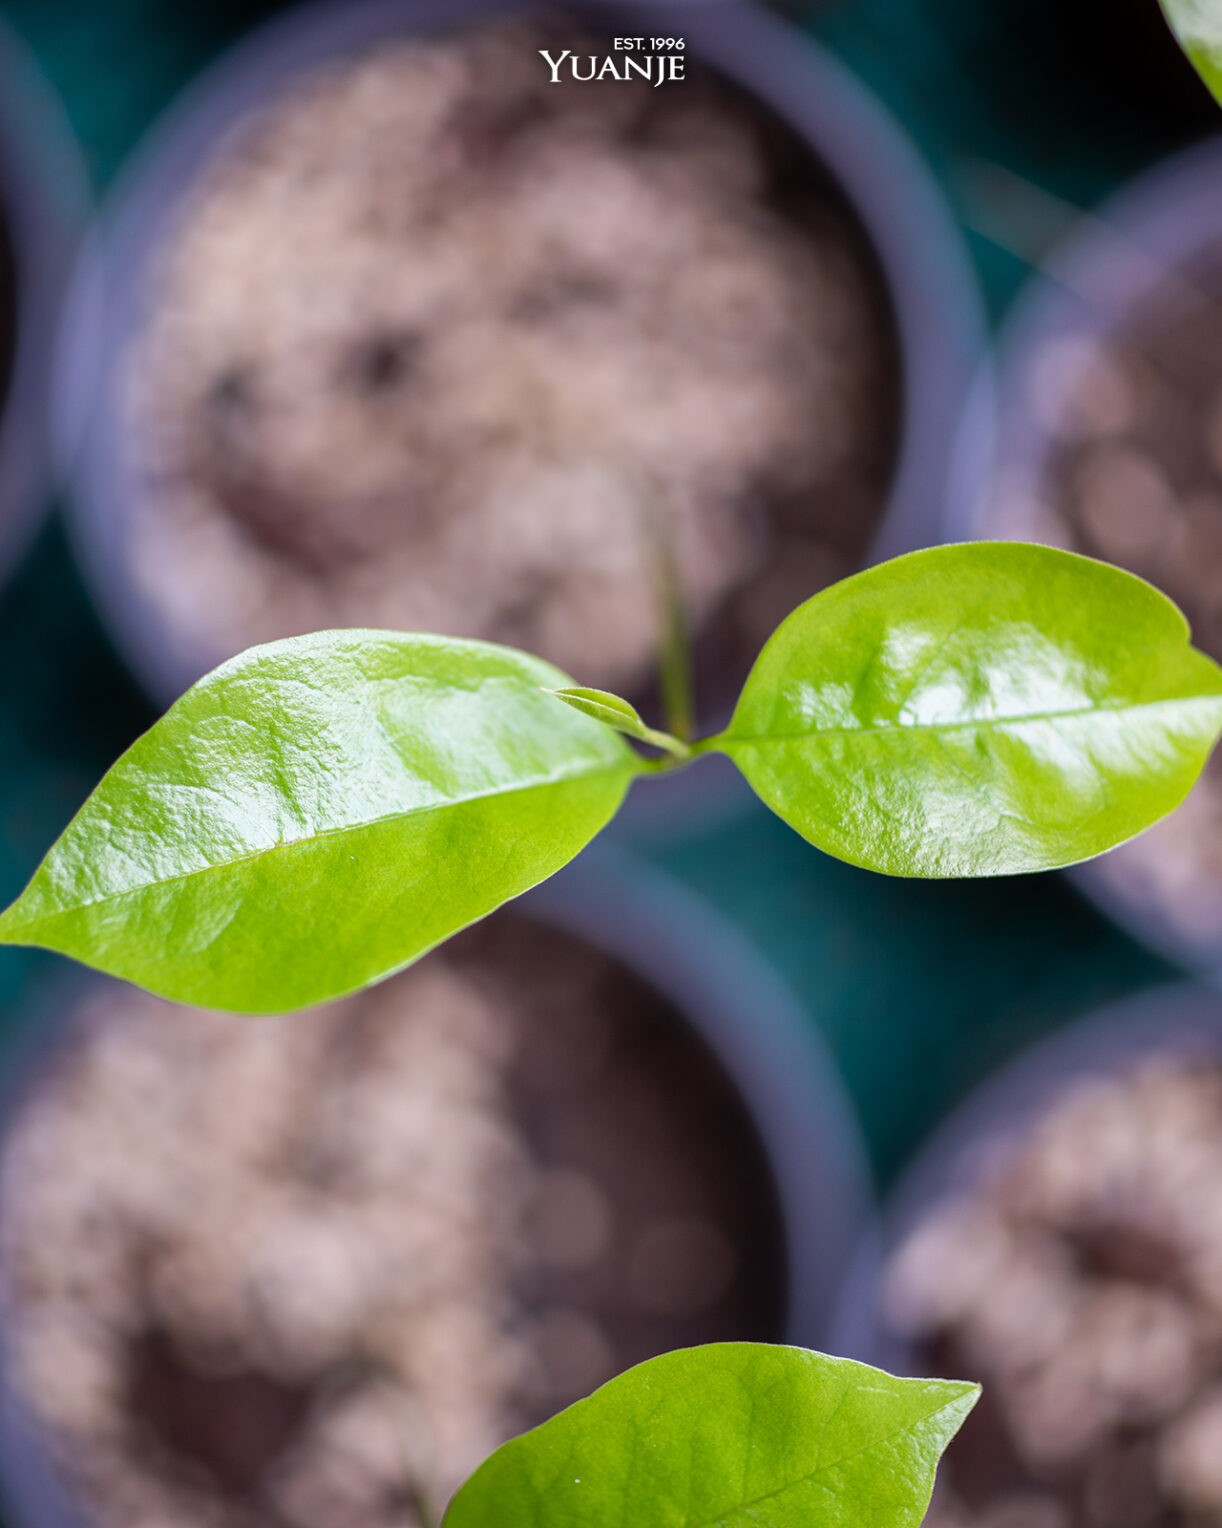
pixel 821 1469
pixel 973 724
pixel 307 839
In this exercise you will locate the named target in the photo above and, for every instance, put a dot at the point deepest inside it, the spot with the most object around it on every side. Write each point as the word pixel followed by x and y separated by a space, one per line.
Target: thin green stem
pixel 665 765
pixel 678 753
pixel 674 746
pixel 676 676
pixel 674 650
pixel 420 1506
pixel 413 1489
pixel 706 745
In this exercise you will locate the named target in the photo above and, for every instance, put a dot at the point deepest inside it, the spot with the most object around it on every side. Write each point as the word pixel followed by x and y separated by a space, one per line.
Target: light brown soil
pixel 1082 1284
pixel 303 1272
pixel 438 346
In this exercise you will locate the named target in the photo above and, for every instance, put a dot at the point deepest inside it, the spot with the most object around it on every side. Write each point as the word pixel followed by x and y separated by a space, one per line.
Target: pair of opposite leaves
pixel 319 812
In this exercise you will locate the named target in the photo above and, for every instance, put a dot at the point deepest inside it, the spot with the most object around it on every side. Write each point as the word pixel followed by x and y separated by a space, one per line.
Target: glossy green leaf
pixel 977 710
pixel 319 812
pixel 1198 25
pixel 620 714
pixel 735 1435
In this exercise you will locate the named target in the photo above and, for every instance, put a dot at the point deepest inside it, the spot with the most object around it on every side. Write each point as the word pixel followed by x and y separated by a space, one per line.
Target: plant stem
pixel 674 746
pixel 413 1489
pixel 666 763
pixel 674 653
pixel 676 677
pixel 421 1508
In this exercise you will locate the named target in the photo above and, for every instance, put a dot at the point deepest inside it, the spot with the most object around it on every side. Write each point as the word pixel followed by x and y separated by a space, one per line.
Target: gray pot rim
pixel 919 252
pixel 1181 1019
pixel 45 200
pixel 767 1045
pixel 1089 282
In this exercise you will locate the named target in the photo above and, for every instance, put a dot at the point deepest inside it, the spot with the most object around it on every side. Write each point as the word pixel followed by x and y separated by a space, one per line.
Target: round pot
pixel 1182 1023
pixel 1096 284
pixel 1183 1020
pixel 43 201
pixel 739 1013
pixel 923 267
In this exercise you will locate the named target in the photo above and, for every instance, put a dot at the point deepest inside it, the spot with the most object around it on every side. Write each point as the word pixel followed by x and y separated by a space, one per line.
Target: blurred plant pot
pixel 1107 403
pixel 695 1002
pixel 43 202
pixel 1038 1237
pixel 921 272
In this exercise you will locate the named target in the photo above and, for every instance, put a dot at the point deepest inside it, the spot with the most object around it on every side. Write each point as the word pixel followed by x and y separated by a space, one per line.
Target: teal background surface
pixel 920 988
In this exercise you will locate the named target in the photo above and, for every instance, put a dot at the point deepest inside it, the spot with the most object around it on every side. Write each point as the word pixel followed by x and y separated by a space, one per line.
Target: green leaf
pixel 977 710
pixel 618 713
pixel 1198 26
pixel 735 1435
pixel 319 812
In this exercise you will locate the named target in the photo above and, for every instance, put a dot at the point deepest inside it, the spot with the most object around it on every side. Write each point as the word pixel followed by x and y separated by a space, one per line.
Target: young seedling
pixel 320 812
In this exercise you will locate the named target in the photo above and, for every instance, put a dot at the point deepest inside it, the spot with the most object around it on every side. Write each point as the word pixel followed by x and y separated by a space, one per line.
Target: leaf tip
pixel 957 1399
pixel 590 700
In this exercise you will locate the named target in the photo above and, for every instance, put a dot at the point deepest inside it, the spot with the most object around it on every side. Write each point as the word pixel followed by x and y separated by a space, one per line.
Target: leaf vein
pixel 818 1469
pixel 1068 714
pixel 306 840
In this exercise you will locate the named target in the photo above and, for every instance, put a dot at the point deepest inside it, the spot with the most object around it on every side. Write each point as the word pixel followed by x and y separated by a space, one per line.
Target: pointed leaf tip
pixel 722 1436
pixel 319 812
pixel 616 712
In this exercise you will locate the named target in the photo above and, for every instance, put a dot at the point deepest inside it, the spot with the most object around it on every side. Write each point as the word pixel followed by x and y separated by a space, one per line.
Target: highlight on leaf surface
pixel 977 710
pixel 317 813
pixel 732 1435
pixel 1198 26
